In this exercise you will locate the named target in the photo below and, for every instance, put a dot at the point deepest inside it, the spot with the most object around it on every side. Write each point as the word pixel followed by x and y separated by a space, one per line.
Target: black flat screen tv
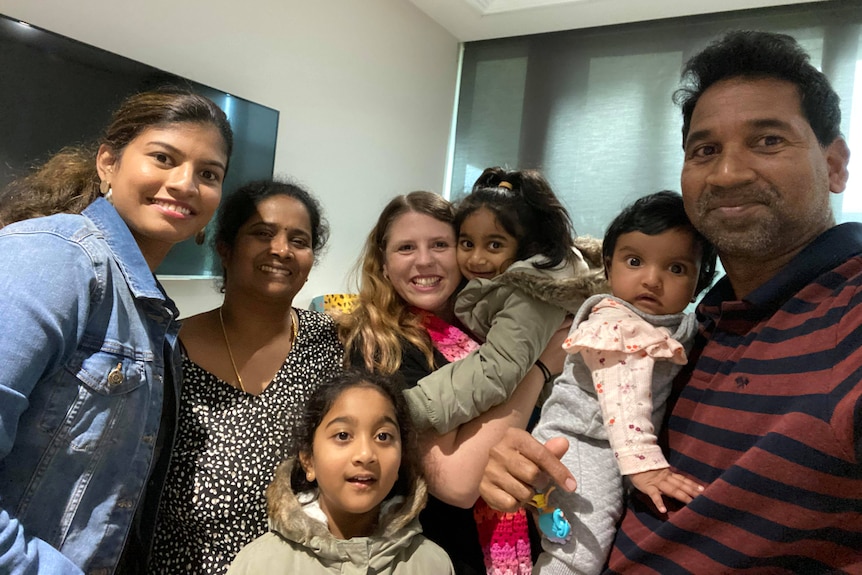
pixel 56 91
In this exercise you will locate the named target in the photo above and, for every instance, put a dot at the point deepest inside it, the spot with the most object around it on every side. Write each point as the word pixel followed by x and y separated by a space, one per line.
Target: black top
pixel 227 448
pixel 450 527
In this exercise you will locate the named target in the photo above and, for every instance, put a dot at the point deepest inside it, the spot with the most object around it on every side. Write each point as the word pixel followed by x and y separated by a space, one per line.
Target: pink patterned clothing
pixel 505 540
pixel 635 387
pixel 620 348
pixel 504 537
pixel 450 341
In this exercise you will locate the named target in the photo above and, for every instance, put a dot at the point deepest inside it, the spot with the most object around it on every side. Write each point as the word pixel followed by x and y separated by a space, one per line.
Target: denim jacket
pixel 86 329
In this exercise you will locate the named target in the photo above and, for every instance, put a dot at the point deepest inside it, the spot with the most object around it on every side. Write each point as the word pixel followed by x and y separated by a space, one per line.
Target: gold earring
pixel 201 237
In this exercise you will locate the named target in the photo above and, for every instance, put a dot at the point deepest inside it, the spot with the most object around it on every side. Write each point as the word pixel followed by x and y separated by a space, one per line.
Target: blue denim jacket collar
pixel 141 280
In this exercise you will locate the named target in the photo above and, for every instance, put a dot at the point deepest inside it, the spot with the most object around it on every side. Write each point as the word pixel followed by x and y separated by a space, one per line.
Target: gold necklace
pixel 294 320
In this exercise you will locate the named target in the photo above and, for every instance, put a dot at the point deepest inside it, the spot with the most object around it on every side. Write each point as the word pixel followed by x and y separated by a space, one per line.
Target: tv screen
pixel 55 91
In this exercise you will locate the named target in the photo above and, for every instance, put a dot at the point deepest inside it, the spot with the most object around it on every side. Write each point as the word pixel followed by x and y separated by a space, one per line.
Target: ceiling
pixel 469 20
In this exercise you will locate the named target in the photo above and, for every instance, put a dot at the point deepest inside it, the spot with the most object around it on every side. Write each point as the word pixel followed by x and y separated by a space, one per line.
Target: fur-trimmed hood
pixel 300 541
pixel 567 285
pixel 300 519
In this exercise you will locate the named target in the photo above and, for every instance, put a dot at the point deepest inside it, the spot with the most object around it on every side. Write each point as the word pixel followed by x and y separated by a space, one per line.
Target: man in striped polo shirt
pixel 768 414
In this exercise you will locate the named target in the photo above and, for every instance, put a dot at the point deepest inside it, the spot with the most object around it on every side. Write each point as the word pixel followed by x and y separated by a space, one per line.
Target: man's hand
pixel 657 482
pixel 519 465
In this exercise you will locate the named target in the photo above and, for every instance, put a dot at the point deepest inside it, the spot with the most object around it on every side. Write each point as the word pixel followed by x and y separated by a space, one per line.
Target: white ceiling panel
pixel 471 20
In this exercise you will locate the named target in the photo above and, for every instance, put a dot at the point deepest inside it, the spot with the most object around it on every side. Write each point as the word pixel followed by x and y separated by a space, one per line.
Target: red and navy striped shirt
pixel 769 420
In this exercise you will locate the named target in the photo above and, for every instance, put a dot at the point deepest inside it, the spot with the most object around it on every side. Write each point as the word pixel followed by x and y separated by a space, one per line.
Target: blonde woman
pixel 404 322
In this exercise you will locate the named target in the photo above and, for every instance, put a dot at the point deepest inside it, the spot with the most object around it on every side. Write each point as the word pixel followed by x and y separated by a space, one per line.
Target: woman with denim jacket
pixel 88 353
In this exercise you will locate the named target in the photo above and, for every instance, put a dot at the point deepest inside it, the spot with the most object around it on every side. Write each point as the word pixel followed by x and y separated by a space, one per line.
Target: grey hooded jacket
pixel 300 541
pixel 516 313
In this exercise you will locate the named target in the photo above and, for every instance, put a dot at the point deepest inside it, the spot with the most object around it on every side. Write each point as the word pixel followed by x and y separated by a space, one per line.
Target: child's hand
pixel 661 481
pixel 554 355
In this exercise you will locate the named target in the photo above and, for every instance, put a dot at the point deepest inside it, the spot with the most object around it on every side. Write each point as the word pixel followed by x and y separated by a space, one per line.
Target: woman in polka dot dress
pixel 248 369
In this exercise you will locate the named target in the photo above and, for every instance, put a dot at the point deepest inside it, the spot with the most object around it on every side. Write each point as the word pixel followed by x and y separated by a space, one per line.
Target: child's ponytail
pixel 490 178
pixel 551 232
pixel 526 206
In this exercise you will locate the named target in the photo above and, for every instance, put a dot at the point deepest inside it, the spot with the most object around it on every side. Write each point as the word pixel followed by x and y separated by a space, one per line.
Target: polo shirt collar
pixel 828 250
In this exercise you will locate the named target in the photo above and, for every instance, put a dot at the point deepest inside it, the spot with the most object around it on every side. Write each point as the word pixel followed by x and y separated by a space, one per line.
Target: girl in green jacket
pixel 348 501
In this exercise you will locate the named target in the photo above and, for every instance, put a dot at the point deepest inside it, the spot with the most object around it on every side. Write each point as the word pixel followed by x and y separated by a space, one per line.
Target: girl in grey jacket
pixel 348 501
pixel 525 272
pixel 516 248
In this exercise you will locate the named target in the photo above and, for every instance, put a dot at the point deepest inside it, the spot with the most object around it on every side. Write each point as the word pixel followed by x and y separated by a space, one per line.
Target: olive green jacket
pixel 300 542
pixel 516 313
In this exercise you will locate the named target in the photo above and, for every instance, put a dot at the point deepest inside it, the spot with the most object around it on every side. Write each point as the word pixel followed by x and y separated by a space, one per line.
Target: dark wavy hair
pixel 68 182
pixel 239 206
pixel 652 215
pixel 527 208
pixel 322 400
pixel 752 55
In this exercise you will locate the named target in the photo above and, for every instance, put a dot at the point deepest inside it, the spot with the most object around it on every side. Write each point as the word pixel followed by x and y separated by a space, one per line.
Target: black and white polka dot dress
pixel 227 447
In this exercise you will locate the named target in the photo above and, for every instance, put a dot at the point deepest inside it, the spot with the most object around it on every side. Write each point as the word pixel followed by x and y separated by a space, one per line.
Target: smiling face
pixel 485 249
pixel 355 458
pixel 755 180
pixel 272 253
pixel 166 184
pixel 656 274
pixel 419 260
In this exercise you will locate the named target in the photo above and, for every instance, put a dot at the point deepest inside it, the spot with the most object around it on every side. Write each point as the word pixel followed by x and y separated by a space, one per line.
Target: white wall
pixel 365 89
